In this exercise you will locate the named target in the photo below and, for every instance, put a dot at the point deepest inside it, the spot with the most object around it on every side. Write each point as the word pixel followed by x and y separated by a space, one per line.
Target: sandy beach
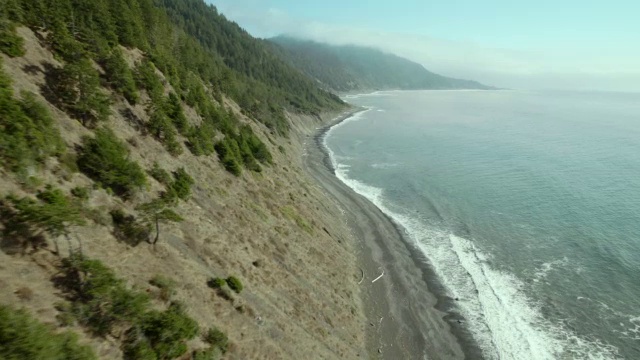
pixel 406 318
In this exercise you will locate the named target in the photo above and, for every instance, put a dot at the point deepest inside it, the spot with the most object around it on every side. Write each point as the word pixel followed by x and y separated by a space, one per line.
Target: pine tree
pixel 77 88
pixel 120 76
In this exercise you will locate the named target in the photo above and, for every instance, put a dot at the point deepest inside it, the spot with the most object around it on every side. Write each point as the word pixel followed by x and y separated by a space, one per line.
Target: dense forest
pixel 348 68
pixel 201 54
pixel 185 40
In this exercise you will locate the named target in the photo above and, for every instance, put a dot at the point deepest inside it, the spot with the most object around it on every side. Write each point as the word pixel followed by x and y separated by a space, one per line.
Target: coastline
pixel 408 314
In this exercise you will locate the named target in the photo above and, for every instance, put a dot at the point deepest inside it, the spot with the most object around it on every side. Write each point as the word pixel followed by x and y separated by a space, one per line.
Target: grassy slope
pixel 299 295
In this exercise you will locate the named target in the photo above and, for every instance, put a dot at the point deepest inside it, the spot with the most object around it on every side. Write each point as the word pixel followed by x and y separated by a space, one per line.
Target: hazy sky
pixel 567 44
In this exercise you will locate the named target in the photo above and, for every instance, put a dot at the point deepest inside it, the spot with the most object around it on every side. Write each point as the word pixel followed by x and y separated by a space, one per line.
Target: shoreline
pixel 408 313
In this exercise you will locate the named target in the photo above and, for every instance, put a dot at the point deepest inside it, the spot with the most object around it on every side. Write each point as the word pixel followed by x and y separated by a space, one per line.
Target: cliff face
pixel 275 230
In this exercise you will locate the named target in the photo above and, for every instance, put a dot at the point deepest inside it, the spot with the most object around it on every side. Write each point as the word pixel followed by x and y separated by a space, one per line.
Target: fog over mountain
pixel 541 45
pixel 353 68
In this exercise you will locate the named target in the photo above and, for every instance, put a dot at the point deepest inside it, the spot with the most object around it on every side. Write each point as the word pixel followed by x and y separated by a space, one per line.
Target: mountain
pixel 350 67
pixel 153 203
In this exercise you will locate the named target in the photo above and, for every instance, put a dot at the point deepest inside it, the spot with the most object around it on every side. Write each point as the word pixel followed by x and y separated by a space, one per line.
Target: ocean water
pixel 526 205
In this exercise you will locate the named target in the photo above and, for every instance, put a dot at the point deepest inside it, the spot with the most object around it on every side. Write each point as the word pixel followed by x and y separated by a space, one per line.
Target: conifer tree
pixel 77 88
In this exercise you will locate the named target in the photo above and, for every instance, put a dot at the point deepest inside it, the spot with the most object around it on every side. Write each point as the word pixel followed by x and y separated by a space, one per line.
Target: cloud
pixel 559 68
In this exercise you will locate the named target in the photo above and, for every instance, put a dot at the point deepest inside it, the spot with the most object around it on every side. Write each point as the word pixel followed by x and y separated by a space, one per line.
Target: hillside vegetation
pixel 350 68
pixel 152 200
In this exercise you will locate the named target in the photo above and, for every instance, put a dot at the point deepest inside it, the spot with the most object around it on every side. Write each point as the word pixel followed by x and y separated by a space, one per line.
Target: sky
pixel 561 44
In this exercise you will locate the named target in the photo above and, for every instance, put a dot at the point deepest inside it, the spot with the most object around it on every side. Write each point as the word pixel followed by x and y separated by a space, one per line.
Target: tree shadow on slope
pixel 17 236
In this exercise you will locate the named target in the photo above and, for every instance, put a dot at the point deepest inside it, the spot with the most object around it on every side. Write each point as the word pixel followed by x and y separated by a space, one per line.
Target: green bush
pixel 119 75
pixel 23 337
pixel 235 284
pixel 216 283
pixel 160 174
pixel 242 148
pixel 229 154
pixel 136 348
pixel 146 78
pixel 201 139
pixel 81 192
pixel 52 212
pixel 101 302
pixel 164 332
pixel 10 42
pixel 181 186
pixel 64 45
pixel 76 89
pixel 28 134
pixel 99 299
pixel 177 188
pixel 217 339
pixel 258 150
pixel 161 127
pixel 173 109
pixel 105 159
pixel 232 165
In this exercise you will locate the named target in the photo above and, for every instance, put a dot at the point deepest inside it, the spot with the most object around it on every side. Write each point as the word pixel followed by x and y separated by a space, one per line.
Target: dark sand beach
pixel 406 317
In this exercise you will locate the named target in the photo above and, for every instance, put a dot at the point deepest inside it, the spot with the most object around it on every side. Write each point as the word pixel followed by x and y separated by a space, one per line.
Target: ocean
pixel 525 204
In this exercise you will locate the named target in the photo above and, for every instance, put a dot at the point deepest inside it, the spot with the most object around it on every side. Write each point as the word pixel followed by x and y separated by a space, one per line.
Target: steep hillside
pixel 152 199
pixel 348 68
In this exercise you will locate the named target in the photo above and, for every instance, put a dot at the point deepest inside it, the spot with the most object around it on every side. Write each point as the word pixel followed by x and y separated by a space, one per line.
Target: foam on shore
pixel 503 320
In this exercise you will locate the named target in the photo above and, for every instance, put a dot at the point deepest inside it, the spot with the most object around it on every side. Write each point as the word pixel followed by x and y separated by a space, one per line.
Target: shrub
pixel 201 139
pixel 173 109
pixel 161 127
pixel 178 188
pixel 217 339
pixel 235 284
pixel 165 332
pixel 28 134
pixel 65 314
pixel 65 46
pixel 181 186
pixel 258 150
pixel 105 159
pixel 23 337
pixel 80 192
pixel 216 283
pixel 120 76
pixel 242 148
pixel 102 302
pixel 229 154
pixel 99 299
pixel 232 165
pixel 76 89
pixel 10 42
pixel 160 174
pixel 136 348
pixel 146 78
pixel 52 212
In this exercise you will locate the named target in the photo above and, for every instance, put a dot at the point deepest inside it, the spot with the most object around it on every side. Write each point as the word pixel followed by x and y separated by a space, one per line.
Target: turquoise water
pixel 526 204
